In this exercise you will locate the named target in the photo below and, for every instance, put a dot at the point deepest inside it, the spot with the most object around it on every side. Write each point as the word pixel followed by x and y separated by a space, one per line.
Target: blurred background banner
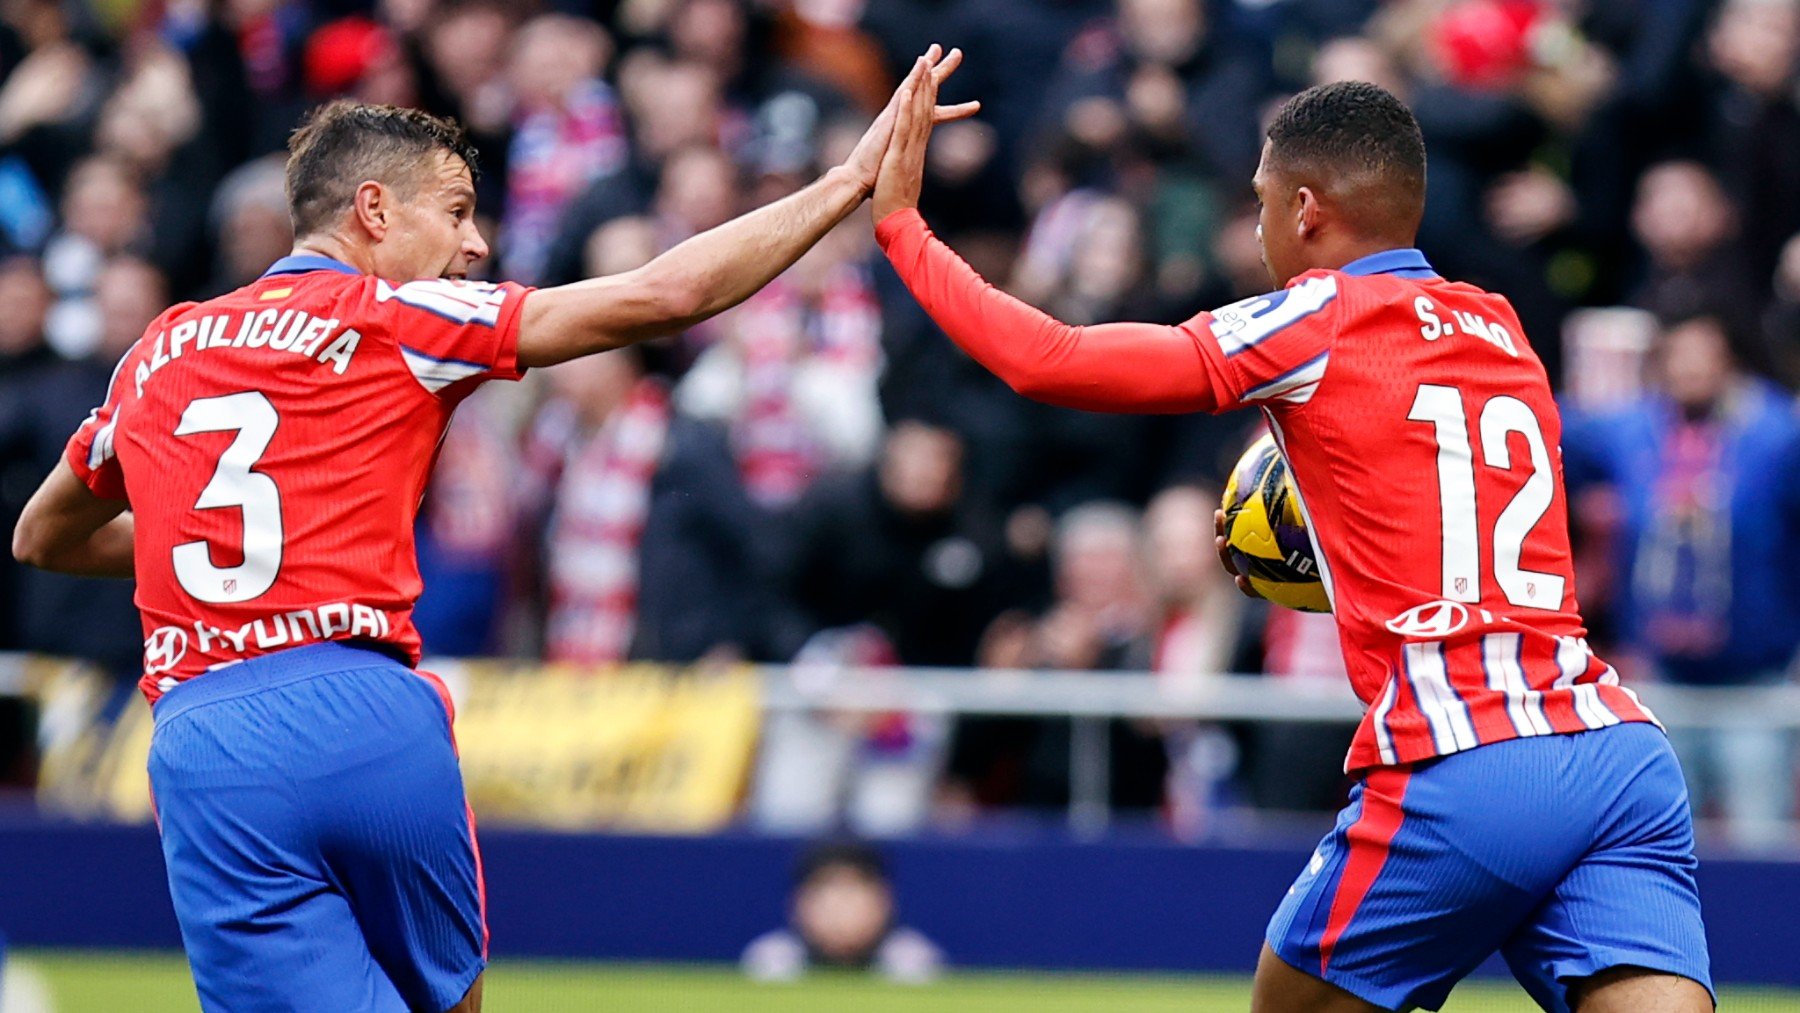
pixel 652 748
pixel 649 747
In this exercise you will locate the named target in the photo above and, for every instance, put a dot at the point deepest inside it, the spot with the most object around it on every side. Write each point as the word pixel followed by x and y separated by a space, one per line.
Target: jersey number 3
pixel 1500 417
pixel 235 483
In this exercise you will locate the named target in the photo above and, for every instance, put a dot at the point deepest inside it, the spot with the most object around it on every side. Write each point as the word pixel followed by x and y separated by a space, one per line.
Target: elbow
pixel 676 299
pixel 28 545
pixel 1032 385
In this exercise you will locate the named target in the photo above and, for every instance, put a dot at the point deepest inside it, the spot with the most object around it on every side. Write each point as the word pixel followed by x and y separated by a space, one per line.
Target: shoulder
pixel 459 302
pixel 1307 299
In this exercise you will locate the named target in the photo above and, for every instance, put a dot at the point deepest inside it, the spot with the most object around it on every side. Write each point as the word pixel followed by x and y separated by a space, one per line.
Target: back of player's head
pixel 343 144
pixel 1360 145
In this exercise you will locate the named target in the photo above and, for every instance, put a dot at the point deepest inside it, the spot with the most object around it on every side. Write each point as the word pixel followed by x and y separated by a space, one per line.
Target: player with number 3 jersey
pixel 272 446
pixel 1513 795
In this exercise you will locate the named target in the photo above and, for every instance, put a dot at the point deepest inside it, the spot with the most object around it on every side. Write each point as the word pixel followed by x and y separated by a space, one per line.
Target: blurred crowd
pixel 818 475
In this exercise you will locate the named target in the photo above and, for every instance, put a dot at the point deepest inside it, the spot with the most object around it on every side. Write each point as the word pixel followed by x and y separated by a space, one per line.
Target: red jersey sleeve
pixel 450 331
pixel 1128 367
pixel 1273 348
pixel 90 451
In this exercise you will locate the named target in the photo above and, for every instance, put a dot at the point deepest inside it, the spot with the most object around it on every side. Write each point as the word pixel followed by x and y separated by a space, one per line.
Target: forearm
pixel 1109 367
pixel 105 553
pixel 724 266
pixel 699 278
pixel 67 529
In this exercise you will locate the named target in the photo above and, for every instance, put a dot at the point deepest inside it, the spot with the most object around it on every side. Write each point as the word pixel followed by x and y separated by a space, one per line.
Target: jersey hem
pixel 1408 757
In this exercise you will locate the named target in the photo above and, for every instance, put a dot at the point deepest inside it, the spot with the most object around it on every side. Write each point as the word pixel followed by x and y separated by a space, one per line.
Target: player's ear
pixel 371 206
pixel 1308 214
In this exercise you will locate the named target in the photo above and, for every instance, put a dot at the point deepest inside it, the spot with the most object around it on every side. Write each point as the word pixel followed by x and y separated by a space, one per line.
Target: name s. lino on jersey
pixel 306 411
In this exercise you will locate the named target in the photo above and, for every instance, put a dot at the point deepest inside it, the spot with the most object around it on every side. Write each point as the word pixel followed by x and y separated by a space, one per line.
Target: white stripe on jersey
pixel 458 302
pixel 1502 660
pixel 1572 657
pixel 436 374
pixel 1296 386
pixel 1444 711
pixel 100 450
pixel 1610 677
pixel 1384 736
pixel 1248 322
pixel 1312 532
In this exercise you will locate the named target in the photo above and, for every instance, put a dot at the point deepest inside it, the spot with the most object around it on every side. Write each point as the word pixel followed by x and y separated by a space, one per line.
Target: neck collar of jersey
pixel 1407 263
pixel 308 262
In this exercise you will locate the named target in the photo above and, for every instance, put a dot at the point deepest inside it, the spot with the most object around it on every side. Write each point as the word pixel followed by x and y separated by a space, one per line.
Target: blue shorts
pixel 321 854
pixel 1569 854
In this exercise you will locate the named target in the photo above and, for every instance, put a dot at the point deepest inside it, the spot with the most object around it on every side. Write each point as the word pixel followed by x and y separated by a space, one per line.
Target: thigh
pixel 263 927
pixel 397 835
pixel 1631 901
pixel 1412 889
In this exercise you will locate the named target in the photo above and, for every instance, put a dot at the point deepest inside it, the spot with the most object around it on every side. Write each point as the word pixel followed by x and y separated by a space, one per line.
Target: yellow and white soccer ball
pixel 1265 532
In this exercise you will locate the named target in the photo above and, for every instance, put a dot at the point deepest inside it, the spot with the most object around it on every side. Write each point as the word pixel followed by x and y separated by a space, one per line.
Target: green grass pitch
pixel 89 982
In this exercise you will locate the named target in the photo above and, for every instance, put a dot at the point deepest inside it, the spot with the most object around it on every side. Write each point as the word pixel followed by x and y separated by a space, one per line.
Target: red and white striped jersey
pixel 274 445
pixel 1421 433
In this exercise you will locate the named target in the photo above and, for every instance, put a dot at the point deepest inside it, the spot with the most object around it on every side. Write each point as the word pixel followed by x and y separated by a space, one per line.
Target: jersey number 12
pixel 1500 417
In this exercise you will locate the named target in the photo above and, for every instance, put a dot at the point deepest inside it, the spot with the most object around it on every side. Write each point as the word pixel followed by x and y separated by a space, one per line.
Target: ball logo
pixel 164 649
pixel 1431 621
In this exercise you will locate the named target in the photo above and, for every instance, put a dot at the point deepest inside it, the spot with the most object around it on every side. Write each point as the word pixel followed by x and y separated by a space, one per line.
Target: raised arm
pixel 718 269
pixel 1109 367
pixel 1151 368
pixel 66 528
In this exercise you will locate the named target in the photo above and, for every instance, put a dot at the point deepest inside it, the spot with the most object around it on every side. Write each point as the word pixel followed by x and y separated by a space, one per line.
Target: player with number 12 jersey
pixel 1512 795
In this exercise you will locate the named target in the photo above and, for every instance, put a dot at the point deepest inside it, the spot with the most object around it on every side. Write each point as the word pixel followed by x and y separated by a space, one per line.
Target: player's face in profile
pixel 1276 230
pixel 433 235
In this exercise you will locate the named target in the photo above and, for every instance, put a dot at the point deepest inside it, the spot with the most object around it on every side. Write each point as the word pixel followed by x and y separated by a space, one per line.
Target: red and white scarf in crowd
pixel 555 154
pixel 600 508
pixel 777 331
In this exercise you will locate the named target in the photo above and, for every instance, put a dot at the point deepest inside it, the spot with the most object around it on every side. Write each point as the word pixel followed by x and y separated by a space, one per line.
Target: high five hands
pixel 890 158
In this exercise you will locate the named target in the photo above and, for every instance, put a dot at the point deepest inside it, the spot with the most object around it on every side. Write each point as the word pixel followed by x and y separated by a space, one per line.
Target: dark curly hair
pixel 342 144
pixel 1354 137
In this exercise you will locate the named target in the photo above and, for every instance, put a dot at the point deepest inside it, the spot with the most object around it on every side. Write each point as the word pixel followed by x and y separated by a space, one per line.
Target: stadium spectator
pixel 1705 530
pixel 1086 257
pixel 898 545
pixel 568 132
pixel 250 222
pixel 58 614
pixel 1194 639
pixel 874 775
pixel 23 356
pixel 151 125
pixel 675 108
pixel 1687 226
pixel 1099 620
pixel 465 532
pixel 793 372
pixel 649 546
pixel 843 917
pixel 1161 69
pixel 105 212
pixel 1752 50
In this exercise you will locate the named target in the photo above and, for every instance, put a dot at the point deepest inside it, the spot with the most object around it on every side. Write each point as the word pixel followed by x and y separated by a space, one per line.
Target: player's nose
pixel 474 247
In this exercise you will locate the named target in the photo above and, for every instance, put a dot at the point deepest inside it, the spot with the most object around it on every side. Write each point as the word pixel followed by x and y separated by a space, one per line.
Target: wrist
pixel 895 221
pixel 843 180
